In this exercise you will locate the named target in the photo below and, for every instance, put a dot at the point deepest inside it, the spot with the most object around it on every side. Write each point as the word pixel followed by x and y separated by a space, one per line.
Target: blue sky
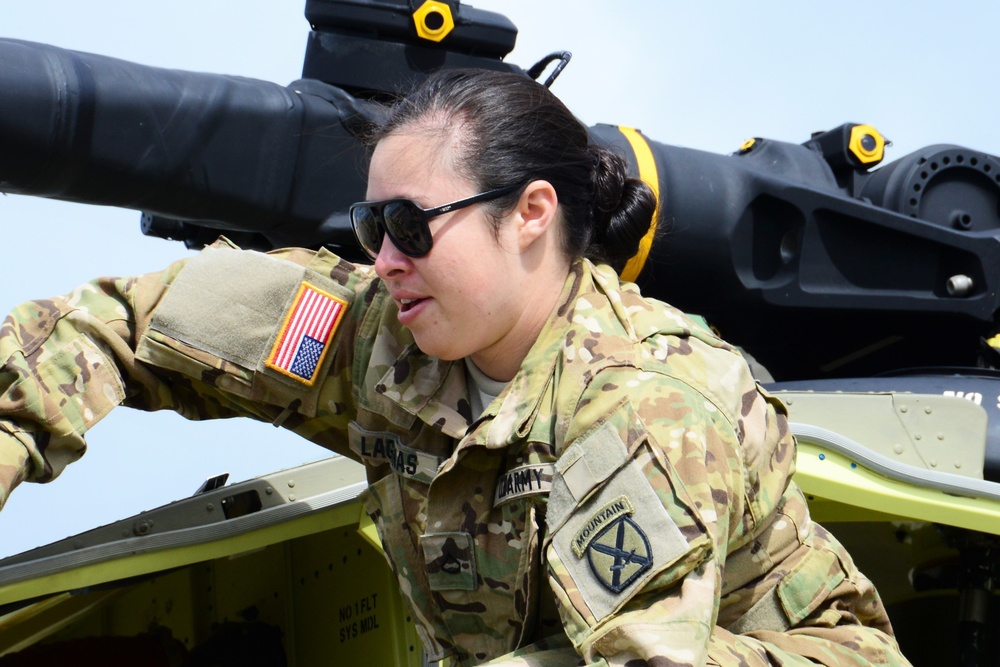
pixel 705 75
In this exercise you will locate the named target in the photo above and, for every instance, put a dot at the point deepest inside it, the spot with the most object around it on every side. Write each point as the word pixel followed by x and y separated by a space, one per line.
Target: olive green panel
pixel 930 431
pixel 321 598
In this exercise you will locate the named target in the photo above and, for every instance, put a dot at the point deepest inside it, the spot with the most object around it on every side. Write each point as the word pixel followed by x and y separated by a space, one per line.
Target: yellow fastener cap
pixel 433 20
pixel 866 144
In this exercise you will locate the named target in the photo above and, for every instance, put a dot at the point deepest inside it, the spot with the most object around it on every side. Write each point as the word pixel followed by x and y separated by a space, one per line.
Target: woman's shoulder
pixel 623 337
pixel 617 311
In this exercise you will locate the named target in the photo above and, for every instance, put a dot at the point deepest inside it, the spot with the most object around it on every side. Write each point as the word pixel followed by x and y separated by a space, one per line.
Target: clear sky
pixel 705 75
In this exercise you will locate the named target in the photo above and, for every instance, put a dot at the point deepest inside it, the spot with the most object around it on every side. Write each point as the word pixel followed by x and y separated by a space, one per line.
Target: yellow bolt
pixel 433 20
pixel 867 144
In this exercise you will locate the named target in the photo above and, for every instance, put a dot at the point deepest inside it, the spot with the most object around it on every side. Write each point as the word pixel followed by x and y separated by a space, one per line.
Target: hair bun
pixel 621 211
pixel 608 181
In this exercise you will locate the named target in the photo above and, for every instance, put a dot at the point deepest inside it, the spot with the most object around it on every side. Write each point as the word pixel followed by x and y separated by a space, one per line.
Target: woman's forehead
pixel 406 164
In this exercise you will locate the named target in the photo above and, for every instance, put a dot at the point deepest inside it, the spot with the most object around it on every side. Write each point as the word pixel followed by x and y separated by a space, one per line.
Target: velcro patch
pixel 380 447
pixel 450 560
pixel 305 335
pixel 530 479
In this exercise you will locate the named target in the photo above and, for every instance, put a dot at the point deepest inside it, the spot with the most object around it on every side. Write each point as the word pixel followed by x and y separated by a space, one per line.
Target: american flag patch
pixel 306 333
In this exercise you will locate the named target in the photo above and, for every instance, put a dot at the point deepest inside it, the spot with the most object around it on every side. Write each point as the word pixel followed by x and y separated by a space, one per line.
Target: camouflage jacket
pixel 627 494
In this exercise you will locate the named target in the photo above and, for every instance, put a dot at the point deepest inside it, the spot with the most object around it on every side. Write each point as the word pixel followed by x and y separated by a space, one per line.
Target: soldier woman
pixel 562 471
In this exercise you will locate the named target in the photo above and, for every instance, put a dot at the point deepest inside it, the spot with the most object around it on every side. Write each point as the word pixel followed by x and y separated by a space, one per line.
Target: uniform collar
pixel 514 412
pixel 429 388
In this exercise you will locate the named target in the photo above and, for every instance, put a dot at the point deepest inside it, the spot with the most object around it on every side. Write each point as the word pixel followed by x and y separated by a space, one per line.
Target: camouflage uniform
pixel 626 498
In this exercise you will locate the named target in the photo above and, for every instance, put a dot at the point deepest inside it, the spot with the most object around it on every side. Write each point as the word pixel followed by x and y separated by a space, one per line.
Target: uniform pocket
pixel 87 381
pixel 383 502
pixel 162 351
pixel 809 584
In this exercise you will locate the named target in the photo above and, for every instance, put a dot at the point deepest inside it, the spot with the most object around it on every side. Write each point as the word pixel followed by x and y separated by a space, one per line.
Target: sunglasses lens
pixel 366 229
pixel 407 228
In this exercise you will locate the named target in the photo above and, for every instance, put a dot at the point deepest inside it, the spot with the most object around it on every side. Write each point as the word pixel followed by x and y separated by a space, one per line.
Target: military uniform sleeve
pixel 67 361
pixel 646 500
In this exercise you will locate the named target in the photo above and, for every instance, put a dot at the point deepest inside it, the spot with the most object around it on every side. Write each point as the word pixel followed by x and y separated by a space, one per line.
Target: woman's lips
pixel 406 304
pixel 410 309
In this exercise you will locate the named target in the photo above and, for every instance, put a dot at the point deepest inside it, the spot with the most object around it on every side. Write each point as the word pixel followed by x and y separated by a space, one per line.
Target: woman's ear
pixel 537 213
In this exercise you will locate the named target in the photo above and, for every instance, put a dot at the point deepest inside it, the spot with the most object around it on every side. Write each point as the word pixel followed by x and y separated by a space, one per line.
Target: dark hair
pixel 514 130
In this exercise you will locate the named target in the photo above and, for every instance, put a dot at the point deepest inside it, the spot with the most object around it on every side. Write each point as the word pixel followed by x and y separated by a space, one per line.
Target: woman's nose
pixel 390 261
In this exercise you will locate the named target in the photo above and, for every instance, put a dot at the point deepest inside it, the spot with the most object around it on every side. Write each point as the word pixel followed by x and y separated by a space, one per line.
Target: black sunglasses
pixel 406 223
